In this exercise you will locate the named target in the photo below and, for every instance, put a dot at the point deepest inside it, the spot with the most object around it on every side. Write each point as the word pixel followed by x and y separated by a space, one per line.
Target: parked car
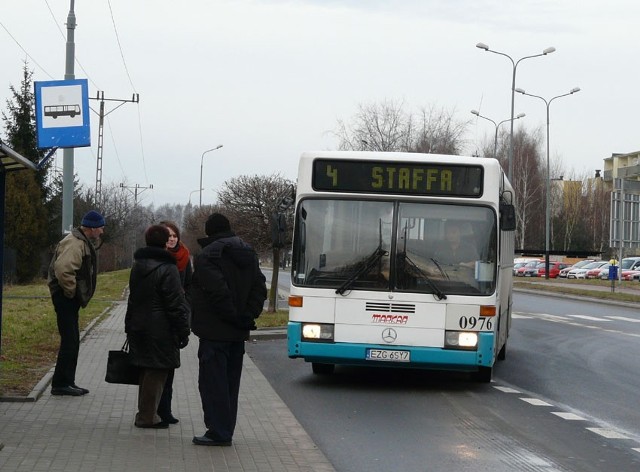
pixel 630 263
pixel 554 269
pixel 598 272
pixel 581 273
pixel 516 266
pixel 532 271
pixel 604 272
pixel 630 275
pixel 528 265
pixel 563 273
pixel 629 269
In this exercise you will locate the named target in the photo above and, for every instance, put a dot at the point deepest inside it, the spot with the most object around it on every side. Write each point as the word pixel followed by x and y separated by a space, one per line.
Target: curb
pixel 267 334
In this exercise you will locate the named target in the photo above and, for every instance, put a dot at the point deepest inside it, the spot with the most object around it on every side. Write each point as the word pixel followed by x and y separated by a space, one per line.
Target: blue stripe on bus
pixel 421 357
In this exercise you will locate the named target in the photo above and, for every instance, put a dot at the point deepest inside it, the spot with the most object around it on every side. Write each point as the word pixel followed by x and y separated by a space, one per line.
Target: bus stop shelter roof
pixel 11 160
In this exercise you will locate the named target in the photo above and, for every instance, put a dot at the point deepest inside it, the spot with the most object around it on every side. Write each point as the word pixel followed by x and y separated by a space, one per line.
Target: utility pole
pixel 67 153
pixel 102 114
pixel 136 190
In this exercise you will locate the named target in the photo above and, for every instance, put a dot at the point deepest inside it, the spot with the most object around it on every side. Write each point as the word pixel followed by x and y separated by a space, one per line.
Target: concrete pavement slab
pixel 95 432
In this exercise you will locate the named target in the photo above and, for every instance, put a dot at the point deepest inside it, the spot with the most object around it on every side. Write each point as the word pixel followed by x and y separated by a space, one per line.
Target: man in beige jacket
pixel 72 282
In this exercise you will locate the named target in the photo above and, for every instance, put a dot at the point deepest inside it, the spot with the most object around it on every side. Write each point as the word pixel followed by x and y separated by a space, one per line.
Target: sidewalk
pixel 95 432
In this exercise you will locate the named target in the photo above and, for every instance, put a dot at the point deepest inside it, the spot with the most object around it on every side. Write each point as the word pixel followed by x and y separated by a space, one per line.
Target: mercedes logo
pixel 389 335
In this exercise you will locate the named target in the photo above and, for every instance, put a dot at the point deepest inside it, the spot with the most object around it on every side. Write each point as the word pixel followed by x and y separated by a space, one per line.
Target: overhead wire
pixel 55 21
pixel 126 68
pixel 15 40
pixel 25 51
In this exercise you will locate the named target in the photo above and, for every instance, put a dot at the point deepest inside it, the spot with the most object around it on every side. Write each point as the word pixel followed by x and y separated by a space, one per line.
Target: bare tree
pixel 250 203
pixel 436 131
pixel 376 127
pixel 573 210
pixel 387 126
pixel 528 184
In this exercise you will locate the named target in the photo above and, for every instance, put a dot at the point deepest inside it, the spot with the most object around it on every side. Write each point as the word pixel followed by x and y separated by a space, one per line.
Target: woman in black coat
pixel 156 323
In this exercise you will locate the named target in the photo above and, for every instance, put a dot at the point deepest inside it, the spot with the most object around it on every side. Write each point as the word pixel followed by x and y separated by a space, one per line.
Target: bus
pixel 375 278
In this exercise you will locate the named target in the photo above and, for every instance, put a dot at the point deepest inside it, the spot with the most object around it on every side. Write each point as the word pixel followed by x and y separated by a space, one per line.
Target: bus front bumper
pixel 419 357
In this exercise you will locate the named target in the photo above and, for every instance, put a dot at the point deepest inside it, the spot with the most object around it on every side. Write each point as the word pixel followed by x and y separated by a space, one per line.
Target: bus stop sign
pixel 62 113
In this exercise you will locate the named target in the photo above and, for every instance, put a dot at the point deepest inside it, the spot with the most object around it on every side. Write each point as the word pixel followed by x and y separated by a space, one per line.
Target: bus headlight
pixel 317 332
pixel 460 340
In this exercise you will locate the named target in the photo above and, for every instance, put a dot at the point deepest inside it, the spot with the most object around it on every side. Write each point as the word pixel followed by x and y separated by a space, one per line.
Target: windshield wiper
pixel 442 272
pixel 369 262
pixel 412 265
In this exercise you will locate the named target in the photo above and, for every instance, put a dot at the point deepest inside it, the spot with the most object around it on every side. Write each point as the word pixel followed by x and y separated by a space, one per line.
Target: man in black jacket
pixel 228 291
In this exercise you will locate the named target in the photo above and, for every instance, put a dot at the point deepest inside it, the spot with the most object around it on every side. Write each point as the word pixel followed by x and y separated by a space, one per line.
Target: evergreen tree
pixel 26 229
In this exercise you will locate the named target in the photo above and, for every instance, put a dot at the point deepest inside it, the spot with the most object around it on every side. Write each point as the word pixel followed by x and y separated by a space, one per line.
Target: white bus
pixel 401 259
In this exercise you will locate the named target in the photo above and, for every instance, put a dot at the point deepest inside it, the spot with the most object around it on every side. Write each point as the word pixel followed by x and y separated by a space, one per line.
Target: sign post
pixel 613 273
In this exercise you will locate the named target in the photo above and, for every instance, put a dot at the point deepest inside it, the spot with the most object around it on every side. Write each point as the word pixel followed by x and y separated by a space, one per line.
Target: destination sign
pixel 411 178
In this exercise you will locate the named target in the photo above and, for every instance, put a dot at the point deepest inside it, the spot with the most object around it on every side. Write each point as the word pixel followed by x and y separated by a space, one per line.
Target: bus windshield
pixel 440 249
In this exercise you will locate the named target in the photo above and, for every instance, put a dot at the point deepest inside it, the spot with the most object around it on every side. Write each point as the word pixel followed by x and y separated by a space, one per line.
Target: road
pixel 564 400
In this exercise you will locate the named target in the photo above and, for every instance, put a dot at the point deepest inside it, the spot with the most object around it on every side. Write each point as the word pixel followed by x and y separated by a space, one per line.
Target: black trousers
pixel 67 310
pixel 219 385
pixel 164 407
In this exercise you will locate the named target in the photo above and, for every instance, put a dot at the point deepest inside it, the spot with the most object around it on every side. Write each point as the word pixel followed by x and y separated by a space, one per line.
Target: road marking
pixel 536 402
pixel 590 318
pixel 568 416
pixel 506 389
pixel 608 433
pixel 624 318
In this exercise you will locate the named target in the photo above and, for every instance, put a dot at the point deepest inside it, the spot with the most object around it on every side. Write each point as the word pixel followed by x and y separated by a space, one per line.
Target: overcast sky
pixel 268 79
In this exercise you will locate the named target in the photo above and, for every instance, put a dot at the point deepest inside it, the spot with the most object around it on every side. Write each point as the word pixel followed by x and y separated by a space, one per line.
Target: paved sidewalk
pixel 95 432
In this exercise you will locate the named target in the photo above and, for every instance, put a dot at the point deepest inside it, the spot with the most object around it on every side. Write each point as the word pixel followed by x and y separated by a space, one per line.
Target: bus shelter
pixel 10 161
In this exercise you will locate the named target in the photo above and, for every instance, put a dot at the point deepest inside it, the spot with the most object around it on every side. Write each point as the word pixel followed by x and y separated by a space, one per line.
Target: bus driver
pixel 454 249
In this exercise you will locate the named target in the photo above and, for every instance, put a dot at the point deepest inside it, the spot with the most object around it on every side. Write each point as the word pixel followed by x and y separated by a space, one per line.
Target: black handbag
pixel 119 367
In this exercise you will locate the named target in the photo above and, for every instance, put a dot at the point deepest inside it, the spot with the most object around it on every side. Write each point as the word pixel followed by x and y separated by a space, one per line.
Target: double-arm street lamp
pixel 548 210
pixel 497 125
pixel 201 161
pixel 549 50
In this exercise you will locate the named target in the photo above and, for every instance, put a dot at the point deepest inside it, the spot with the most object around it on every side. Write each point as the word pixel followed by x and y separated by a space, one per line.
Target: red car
pixel 595 273
pixel 529 265
pixel 554 269
pixel 630 275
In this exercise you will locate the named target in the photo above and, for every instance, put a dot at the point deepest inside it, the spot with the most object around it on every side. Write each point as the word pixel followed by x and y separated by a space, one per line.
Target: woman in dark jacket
pixel 156 323
pixel 181 254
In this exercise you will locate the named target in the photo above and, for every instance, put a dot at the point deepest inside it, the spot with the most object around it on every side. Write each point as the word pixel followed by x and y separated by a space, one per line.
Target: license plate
pixel 388 355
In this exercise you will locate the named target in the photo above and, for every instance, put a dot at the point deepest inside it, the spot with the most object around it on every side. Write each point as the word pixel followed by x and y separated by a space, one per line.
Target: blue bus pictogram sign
pixel 62 113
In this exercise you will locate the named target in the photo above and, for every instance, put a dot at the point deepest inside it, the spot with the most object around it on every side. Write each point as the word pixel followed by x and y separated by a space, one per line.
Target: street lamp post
pixel 548 50
pixel 192 192
pixel 497 125
pixel 201 161
pixel 548 186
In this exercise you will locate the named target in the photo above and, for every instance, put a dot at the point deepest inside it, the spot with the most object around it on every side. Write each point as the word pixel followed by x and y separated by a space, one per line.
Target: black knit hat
pixel 216 223
pixel 156 236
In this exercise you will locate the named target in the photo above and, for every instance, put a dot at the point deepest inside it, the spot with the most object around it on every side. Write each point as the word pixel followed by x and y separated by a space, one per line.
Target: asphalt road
pixel 564 400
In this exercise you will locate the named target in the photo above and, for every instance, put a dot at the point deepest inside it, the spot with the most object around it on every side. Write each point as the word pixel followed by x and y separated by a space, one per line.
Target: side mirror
pixel 507 217
pixel 278 229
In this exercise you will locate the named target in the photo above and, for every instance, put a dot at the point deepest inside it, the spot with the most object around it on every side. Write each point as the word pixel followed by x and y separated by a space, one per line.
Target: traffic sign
pixel 62 113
